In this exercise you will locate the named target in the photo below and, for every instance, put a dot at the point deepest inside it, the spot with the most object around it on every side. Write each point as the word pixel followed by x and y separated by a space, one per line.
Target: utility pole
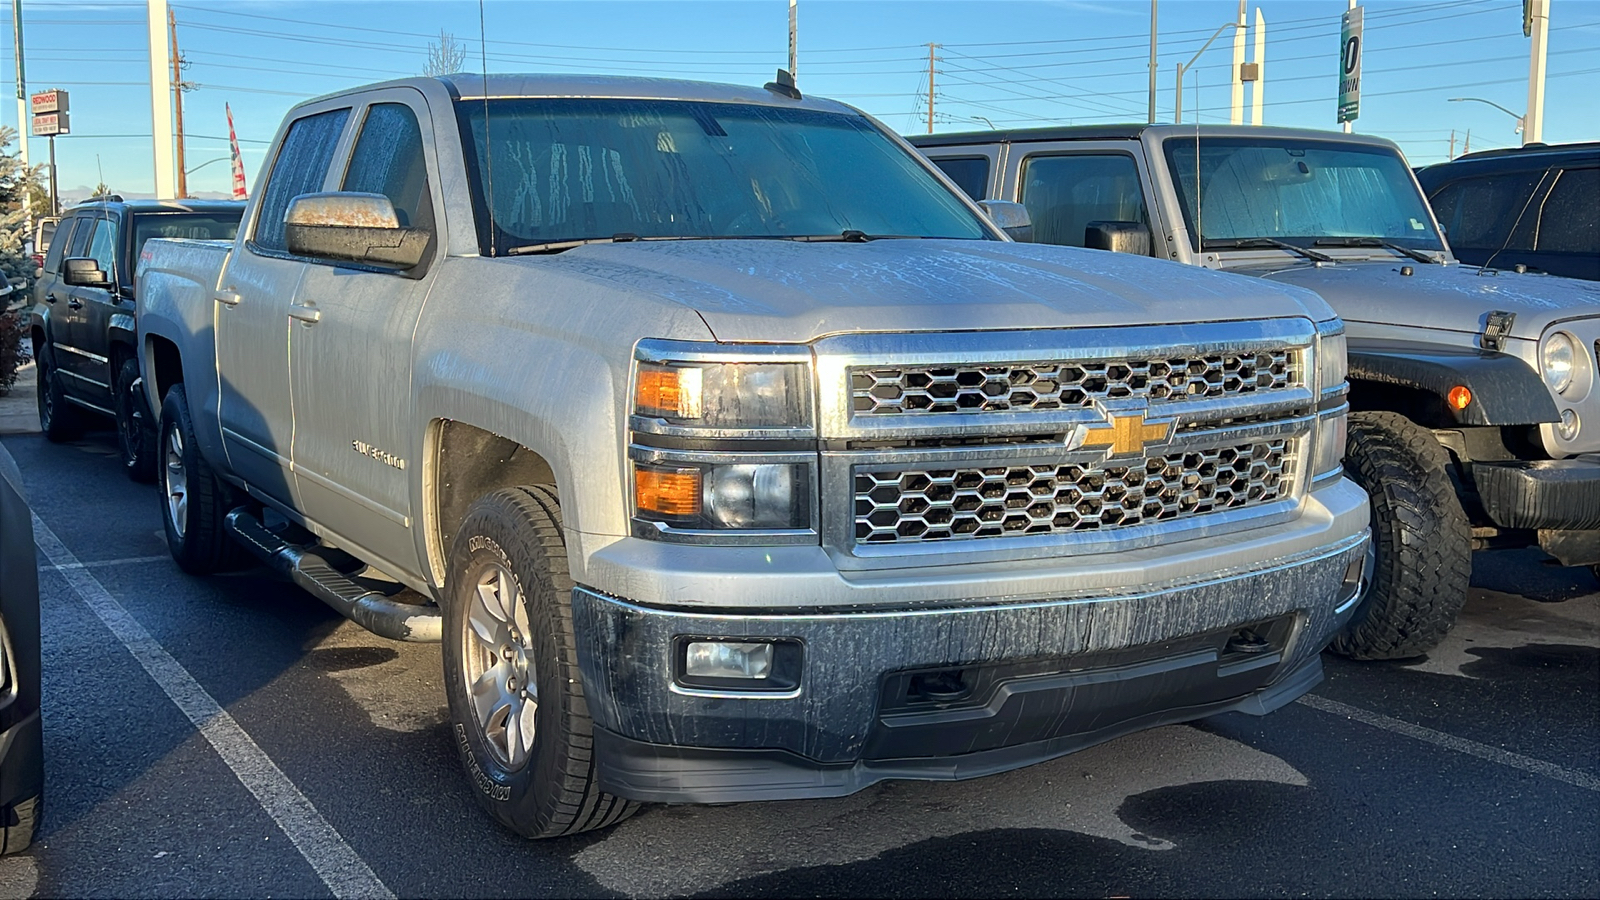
pixel 1236 101
pixel 160 96
pixel 24 118
pixel 931 48
pixel 1152 118
pixel 1467 147
pixel 1537 25
pixel 1452 144
pixel 178 86
pixel 794 60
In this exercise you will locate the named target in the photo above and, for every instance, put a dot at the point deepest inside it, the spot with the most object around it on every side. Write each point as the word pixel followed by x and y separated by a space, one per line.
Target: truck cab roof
pixel 1131 131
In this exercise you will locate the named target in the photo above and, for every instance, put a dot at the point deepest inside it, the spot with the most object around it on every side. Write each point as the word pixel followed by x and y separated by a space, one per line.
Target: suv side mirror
pixel 1012 218
pixel 1118 237
pixel 344 225
pixel 84 272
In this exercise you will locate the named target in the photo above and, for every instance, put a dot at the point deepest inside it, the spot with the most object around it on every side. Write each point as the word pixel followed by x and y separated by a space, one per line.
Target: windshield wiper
pixel 621 237
pixel 848 236
pixel 1417 255
pixel 1246 243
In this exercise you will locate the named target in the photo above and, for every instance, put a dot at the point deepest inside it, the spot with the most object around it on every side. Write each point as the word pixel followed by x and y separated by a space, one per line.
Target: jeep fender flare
pixel 1505 390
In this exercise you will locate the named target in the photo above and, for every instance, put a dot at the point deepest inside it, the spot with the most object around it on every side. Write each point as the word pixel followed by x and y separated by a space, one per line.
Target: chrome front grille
pixel 915 505
pixel 1042 386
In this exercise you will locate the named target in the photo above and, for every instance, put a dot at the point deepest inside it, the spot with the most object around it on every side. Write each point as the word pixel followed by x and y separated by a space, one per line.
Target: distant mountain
pixel 72 196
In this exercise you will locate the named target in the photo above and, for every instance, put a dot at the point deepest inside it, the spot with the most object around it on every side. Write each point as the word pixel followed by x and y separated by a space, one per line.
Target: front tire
pixel 193 499
pixel 17 838
pixel 58 419
pixel 1423 561
pixel 511 671
pixel 135 438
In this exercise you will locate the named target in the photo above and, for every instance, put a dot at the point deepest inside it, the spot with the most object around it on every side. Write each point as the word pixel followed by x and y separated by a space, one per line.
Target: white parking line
pixel 1451 742
pixel 105 563
pixel 339 867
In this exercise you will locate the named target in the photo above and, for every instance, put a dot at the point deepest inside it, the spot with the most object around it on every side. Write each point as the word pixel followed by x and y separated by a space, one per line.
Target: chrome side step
pixel 372 610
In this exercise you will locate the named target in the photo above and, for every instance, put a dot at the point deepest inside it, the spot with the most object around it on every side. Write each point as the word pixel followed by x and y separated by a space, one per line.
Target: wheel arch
pixel 1415 381
pixel 462 463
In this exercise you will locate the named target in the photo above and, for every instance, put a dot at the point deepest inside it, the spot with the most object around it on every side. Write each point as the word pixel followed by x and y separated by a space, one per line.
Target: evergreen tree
pixel 15 265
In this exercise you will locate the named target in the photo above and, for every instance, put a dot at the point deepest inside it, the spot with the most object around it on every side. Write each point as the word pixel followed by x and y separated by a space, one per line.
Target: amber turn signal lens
pixel 1460 397
pixel 667 492
pixel 668 391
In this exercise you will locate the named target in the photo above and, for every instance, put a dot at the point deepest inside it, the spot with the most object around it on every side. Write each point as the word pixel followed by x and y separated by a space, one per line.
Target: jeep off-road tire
pixel 136 439
pixel 1424 546
pixel 508 641
pixel 59 419
pixel 194 500
pixel 15 838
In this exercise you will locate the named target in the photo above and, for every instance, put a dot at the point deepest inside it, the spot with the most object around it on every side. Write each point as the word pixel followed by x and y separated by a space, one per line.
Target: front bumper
pixel 1042 678
pixel 1558 498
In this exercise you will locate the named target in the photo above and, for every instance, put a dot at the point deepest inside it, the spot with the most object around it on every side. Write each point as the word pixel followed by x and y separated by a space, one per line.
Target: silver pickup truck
pixel 734 453
pixel 1475 412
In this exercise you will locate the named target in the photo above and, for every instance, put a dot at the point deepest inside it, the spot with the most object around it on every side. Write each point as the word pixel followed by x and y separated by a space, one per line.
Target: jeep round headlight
pixel 1556 361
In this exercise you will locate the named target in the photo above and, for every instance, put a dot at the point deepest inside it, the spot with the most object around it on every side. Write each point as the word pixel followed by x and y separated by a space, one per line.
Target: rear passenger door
pixel 350 357
pixel 1067 185
pixel 88 364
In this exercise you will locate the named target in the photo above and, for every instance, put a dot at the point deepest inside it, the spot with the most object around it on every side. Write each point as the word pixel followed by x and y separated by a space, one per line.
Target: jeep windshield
pixel 1298 195
pixel 559 173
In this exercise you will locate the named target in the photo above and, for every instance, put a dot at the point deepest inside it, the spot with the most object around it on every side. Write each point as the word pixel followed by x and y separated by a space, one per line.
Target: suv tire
pixel 58 419
pixel 1423 543
pixel 517 708
pixel 193 499
pixel 135 438
pixel 16 838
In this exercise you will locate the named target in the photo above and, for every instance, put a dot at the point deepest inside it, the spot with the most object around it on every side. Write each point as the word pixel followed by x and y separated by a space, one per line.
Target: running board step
pixel 370 609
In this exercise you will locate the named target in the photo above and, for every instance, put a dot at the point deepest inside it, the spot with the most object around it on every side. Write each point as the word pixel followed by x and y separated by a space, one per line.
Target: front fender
pixel 1505 390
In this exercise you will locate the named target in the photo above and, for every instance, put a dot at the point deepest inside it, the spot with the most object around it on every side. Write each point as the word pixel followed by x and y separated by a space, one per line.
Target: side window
pixel 300 167
pixel 388 160
pixel 59 244
pixel 1570 222
pixel 1479 213
pixel 103 247
pixel 80 238
pixel 1064 194
pixel 970 173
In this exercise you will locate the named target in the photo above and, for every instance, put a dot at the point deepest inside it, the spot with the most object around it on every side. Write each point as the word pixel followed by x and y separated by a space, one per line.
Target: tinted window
pixel 58 248
pixel 1570 222
pixel 388 160
pixel 191 226
pixel 970 173
pixel 301 165
pixel 1478 213
pixel 567 170
pixel 80 238
pixel 1064 194
pixel 103 247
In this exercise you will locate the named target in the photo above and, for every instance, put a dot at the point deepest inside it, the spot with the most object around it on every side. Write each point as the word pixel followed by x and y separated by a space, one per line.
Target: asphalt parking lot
pixel 232 736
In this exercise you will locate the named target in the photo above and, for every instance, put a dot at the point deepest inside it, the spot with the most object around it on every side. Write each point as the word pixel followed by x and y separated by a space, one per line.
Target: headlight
pixel 1333 358
pixel 724 395
pixel 1332 433
pixel 1557 359
pixel 685 494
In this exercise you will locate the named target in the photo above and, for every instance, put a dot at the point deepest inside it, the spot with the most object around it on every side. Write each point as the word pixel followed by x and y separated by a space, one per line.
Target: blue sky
pixel 1029 62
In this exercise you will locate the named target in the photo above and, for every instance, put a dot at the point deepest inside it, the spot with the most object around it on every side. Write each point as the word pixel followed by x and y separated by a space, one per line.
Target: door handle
pixel 49 298
pixel 307 314
pixel 75 303
pixel 228 298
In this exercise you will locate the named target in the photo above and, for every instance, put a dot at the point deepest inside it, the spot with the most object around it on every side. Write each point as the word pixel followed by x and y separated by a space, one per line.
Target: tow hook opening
pixel 942 686
pixel 1247 642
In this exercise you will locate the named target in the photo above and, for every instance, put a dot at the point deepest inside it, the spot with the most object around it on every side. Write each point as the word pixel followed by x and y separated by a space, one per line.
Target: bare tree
pixel 446 55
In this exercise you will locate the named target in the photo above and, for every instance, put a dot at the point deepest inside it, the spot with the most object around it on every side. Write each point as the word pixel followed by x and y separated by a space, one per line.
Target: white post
pixel 161 98
pixel 1533 122
pixel 793 56
pixel 24 118
pixel 1152 116
pixel 1261 69
pixel 1236 110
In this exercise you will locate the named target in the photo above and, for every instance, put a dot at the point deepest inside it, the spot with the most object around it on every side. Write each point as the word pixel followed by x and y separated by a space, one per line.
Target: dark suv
pixel 1536 206
pixel 83 314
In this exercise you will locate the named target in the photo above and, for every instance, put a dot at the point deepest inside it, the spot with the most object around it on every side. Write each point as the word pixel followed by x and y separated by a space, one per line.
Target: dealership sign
pixel 50 113
pixel 1350 67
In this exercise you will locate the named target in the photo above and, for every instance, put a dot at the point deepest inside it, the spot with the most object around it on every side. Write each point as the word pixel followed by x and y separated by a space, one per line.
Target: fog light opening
pixel 1568 427
pixel 743 666
pixel 728 659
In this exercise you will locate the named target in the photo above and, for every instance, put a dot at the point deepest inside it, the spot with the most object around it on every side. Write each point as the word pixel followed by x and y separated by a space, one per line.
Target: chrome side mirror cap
pixel 352 227
pixel 1010 217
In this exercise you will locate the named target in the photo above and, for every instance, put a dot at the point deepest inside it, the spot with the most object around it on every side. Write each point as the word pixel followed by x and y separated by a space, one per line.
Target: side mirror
pixel 354 227
pixel 84 272
pixel 1012 218
pixel 1118 237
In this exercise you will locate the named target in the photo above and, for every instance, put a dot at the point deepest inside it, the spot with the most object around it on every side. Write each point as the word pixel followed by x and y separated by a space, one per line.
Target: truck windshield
pixel 1301 192
pixel 577 170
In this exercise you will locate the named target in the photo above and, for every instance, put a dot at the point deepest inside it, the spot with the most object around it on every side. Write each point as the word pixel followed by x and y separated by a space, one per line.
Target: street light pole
pixel 1539 31
pixel 1522 122
pixel 1152 118
pixel 1177 114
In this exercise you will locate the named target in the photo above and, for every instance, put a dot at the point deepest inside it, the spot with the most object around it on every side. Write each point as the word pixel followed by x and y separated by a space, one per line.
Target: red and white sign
pixel 54 101
pixel 50 124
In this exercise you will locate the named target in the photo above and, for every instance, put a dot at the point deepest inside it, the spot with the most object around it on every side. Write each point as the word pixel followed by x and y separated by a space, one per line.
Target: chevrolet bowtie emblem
pixel 1126 435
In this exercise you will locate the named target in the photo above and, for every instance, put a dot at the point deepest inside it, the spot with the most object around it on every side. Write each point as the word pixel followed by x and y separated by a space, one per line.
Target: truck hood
pixel 1448 297
pixel 791 292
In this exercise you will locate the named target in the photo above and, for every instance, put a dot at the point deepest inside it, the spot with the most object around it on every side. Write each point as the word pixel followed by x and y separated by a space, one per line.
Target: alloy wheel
pixel 498 665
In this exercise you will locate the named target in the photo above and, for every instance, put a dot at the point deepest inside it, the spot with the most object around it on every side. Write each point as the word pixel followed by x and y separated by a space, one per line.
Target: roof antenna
pixel 782 84
pixel 488 146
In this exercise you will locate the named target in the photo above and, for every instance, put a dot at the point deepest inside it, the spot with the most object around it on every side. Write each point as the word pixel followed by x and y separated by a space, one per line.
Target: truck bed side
pixel 177 316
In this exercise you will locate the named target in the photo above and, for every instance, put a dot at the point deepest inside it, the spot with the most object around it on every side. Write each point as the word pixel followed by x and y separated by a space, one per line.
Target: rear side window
pixel 80 238
pixel 59 244
pixel 1064 194
pixel 1480 213
pixel 300 168
pixel 103 247
pixel 970 173
pixel 388 160
pixel 1570 222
